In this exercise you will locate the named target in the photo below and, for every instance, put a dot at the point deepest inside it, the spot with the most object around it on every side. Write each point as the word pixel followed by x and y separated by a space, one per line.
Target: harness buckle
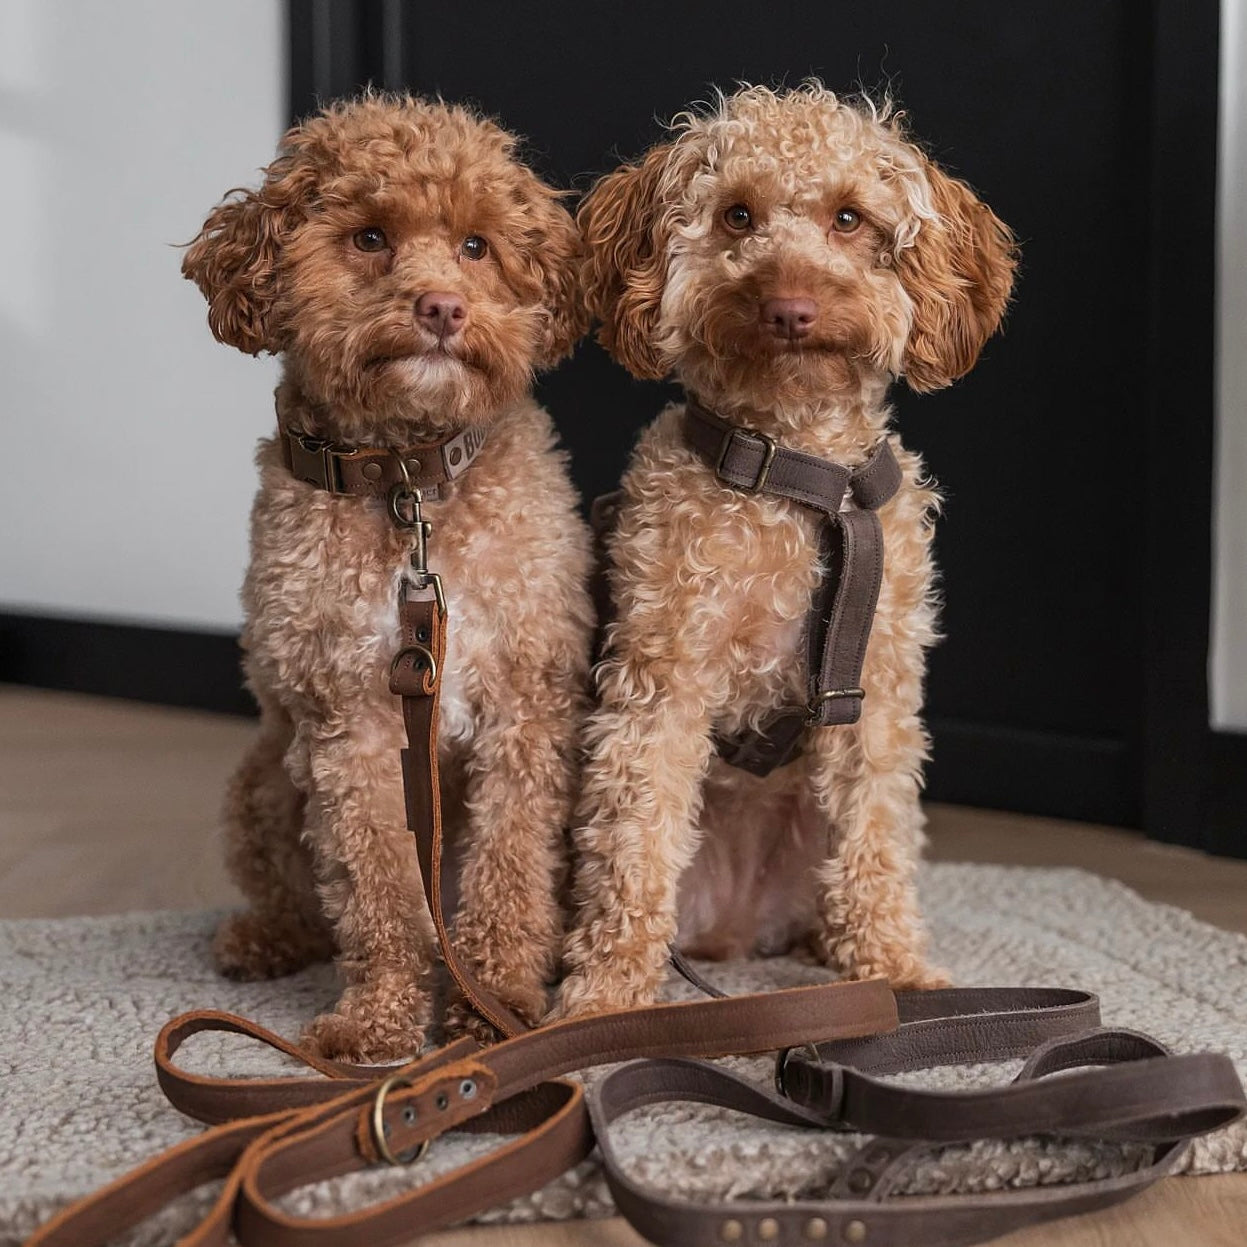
pixel 815 707
pixel 768 457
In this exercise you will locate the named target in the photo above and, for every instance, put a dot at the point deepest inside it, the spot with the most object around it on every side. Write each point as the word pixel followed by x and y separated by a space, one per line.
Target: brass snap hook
pixel 404 498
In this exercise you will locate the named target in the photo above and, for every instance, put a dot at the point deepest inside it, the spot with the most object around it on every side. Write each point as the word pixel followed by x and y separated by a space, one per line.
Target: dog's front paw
pixel 250 946
pixel 584 994
pixel 529 1005
pixel 373 1023
pixel 463 1022
pixel 904 970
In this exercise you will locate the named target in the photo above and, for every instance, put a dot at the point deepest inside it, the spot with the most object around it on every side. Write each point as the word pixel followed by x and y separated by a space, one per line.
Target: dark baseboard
pixel 165 666
pixel 973 763
pixel 1029 772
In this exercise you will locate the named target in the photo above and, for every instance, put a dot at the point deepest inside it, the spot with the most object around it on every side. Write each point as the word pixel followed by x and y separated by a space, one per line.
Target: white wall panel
pixel 126 432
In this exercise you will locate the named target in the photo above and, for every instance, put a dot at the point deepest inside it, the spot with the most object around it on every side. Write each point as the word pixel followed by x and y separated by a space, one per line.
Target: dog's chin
pixel 450 388
pixel 786 359
pixel 423 376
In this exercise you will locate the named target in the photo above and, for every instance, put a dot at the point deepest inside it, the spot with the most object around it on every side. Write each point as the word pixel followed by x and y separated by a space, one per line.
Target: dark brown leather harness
pixel 842 606
pixel 269 1136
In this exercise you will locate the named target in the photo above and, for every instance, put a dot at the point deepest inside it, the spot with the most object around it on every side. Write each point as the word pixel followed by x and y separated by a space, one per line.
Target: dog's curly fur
pixel 711 585
pixel 316 836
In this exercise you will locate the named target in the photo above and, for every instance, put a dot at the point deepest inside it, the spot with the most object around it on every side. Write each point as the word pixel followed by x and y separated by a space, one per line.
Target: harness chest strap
pixel 842 606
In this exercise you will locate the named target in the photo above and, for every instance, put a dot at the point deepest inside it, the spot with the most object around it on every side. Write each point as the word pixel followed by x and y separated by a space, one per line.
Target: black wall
pixel 1071 680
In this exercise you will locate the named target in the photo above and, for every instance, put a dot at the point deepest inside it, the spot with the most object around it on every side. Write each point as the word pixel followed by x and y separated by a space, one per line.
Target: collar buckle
pixel 314 460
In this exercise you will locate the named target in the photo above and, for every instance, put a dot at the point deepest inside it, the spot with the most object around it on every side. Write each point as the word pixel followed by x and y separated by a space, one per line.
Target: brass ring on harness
pixel 424 652
pixel 378 1130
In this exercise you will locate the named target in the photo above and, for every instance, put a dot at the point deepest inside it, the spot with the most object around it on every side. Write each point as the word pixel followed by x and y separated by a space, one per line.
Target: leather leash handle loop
pixel 320 1126
pixel 1136 1093
pixel 263 1156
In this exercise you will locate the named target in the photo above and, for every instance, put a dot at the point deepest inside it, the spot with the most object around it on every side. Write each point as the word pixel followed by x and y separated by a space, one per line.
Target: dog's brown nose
pixel 789 318
pixel 441 312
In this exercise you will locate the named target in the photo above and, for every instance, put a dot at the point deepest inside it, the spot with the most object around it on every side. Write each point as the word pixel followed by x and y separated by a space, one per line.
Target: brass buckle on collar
pixel 768 457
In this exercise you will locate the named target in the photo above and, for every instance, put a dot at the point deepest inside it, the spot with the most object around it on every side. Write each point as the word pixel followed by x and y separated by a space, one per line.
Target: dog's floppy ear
pixel 959 274
pixel 626 227
pixel 234 258
pixel 556 254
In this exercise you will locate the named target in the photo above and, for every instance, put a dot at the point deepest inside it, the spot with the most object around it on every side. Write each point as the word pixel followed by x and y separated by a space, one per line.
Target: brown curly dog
pixel 786 256
pixel 412 274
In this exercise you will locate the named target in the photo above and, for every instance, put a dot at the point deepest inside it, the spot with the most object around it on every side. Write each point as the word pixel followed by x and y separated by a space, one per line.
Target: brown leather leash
pixel 269 1136
pixel 277 1134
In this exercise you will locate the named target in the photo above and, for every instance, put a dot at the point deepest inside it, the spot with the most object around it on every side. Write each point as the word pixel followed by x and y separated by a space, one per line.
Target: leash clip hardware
pixel 406 510
pixel 768 457
pixel 379 1129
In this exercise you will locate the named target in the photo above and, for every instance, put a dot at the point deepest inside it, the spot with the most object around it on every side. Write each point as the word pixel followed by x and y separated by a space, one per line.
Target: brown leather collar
pixel 372 471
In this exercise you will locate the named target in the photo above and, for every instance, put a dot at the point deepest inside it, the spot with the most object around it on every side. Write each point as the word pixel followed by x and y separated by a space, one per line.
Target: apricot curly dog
pixel 786 256
pixel 412 273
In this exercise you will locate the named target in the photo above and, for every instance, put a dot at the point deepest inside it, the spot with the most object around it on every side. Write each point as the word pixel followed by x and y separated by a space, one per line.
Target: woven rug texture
pixel 79 1103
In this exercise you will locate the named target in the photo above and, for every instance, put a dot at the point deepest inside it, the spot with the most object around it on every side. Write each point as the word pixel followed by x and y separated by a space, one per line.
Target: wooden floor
pixel 108 806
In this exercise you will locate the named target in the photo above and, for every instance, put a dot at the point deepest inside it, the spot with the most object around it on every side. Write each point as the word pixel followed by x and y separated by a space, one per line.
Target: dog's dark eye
pixel 474 247
pixel 846 221
pixel 738 218
pixel 370 239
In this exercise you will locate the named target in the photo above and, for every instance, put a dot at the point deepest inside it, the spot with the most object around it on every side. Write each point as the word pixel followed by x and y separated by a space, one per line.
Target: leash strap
pixel 842 606
pixel 416 677
pixel 1116 1085
pixel 271 1135
pixel 277 1134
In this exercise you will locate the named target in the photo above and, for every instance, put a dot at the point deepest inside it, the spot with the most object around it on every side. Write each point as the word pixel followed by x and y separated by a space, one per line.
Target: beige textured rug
pixel 85 998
